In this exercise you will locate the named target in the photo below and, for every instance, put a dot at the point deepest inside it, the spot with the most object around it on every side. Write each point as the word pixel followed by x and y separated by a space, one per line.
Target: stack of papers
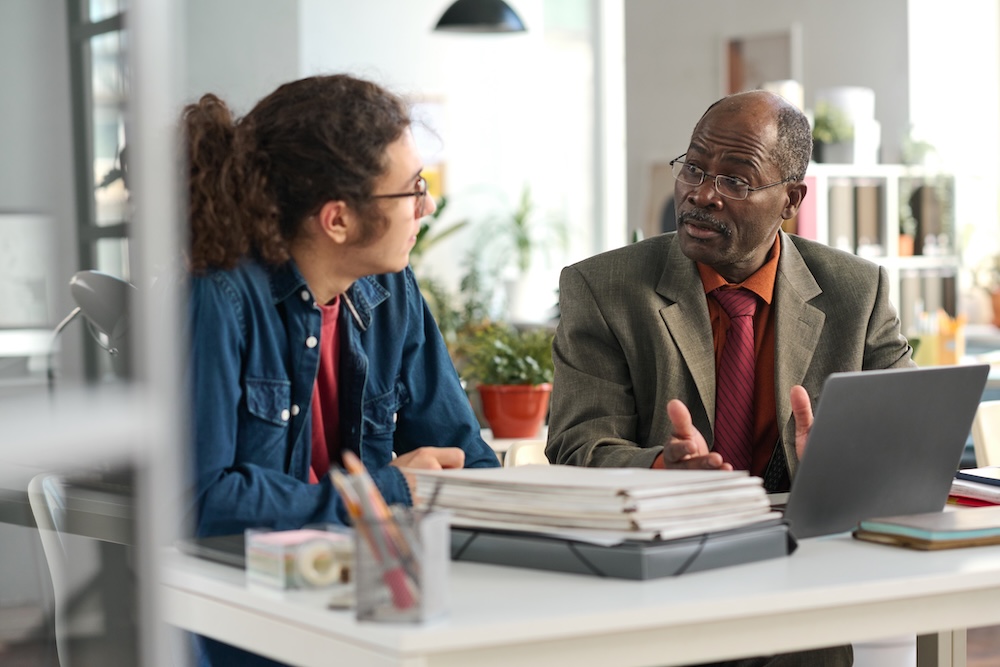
pixel 976 486
pixel 596 504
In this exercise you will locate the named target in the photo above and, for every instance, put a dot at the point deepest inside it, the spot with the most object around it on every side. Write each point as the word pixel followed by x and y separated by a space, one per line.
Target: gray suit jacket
pixel 634 332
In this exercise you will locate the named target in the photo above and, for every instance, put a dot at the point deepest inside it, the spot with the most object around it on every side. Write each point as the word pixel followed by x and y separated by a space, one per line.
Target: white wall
pixel 239 49
pixel 674 67
pixel 955 103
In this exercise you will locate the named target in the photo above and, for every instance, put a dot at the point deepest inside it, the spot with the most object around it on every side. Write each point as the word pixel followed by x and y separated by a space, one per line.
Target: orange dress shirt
pixel 761 283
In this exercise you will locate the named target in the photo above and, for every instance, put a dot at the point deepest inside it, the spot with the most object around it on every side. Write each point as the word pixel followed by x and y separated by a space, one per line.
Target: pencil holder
pixel 401 567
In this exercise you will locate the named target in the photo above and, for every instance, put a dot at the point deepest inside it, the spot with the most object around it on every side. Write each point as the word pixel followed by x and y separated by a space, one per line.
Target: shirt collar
pixel 761 282
pixel 364 295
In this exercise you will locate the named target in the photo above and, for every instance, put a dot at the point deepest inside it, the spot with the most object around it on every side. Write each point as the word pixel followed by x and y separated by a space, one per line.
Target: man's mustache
pixel 705 220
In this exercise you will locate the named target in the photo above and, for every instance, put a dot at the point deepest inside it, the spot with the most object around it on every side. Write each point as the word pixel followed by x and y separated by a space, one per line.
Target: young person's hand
pixel 429 458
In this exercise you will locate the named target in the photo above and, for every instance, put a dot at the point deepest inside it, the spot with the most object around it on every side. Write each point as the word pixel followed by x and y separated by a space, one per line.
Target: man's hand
pixel 687 447
pixel 429 458
pixel 803 414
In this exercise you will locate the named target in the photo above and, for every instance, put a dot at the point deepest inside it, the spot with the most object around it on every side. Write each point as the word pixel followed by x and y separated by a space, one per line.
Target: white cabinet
pixel 898 216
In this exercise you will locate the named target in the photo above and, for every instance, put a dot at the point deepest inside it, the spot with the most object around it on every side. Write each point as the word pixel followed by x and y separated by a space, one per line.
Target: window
pixel 99 80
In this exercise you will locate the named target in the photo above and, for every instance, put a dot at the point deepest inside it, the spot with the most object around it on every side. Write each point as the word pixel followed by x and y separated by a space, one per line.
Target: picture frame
pixel 27 267
pixel 752 61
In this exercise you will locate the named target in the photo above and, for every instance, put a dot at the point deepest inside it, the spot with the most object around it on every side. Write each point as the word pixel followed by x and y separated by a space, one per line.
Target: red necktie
pixel 735 381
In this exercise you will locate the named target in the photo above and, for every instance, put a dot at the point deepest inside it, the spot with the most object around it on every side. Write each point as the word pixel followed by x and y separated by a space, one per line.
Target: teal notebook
pixel 968 525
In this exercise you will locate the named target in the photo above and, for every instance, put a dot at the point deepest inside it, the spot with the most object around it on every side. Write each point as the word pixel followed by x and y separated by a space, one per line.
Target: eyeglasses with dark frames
pixel 727 186
pixel 420 193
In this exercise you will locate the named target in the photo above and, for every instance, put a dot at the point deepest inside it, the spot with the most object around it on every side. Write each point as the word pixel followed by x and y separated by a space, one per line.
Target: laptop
pixel 883 443
pixel 225 549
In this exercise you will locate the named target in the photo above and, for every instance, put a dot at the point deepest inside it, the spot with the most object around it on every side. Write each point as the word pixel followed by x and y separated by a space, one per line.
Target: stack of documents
pixel 976 486
pixel 599 505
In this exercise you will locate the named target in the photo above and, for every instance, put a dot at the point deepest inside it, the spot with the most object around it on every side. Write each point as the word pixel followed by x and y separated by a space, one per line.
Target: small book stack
pixel 976 487
pixel 953 528
pixel 598 505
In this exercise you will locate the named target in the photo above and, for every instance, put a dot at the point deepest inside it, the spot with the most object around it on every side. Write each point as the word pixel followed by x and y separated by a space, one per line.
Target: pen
pixel 371 516
pixel 379 509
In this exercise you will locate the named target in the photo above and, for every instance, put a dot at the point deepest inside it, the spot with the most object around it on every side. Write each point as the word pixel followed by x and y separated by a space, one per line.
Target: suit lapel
pixel 797 328
pixel 686 319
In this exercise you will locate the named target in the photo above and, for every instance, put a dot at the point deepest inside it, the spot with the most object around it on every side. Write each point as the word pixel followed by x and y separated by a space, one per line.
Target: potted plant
pixel 832 132
pixel 518 238
pixel 512 370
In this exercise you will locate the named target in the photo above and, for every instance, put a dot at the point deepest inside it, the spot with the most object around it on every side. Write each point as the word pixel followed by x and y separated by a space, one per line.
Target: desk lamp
pixel 480 16
pixel 104 301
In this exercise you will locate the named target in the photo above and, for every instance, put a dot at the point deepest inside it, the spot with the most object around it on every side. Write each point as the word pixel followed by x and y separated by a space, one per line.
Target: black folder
pixel 627 560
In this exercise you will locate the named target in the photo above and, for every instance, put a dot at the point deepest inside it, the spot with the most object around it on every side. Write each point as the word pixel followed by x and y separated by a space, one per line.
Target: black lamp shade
pixel 480 16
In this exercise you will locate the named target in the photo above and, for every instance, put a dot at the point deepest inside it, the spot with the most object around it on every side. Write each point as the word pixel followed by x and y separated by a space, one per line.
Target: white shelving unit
pixel 847 203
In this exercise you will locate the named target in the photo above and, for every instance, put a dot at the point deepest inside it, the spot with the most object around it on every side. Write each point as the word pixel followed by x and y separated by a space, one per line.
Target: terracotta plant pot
pixel 515 410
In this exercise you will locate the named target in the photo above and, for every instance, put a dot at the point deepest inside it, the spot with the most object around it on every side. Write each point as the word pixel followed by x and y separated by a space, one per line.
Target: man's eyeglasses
pixel 420 193
pixel 727 186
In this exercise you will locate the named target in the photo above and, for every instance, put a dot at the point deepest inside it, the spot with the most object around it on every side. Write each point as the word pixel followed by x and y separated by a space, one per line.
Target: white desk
pixel 501 445
pixel 831 591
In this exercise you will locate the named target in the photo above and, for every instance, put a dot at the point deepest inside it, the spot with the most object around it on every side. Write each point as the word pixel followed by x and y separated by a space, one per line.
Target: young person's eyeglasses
pixel 727 186
pixel 419 194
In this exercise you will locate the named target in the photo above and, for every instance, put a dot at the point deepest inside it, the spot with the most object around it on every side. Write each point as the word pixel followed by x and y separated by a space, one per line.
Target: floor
pixel 983 651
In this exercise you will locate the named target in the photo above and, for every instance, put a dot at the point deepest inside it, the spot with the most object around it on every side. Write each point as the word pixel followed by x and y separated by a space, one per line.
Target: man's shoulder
pixel 819 254
pixel 639 256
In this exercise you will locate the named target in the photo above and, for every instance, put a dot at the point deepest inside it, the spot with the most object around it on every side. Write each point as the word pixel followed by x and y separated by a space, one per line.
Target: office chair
pixel 524 452
pixel 93 614
pixel 986 433
pixel 45 496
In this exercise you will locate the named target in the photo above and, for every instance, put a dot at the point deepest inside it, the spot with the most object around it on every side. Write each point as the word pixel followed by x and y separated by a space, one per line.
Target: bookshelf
pixel 899 216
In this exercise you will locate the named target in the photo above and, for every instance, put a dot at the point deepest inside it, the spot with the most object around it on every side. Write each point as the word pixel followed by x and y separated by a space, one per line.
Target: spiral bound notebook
pixel 632 559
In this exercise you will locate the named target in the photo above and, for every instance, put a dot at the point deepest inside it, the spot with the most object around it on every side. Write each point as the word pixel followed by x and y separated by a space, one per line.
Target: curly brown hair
pixel 253 181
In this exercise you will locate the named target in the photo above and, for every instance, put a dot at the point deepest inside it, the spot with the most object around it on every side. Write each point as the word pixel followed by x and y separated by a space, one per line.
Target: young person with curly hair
pixel 309 335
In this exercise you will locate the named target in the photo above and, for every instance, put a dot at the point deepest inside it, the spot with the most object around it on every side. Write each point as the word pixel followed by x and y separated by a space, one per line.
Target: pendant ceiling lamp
pixel 480 16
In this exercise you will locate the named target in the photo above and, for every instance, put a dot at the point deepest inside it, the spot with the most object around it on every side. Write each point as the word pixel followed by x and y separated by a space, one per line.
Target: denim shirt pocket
pixel 269 400
pixel 379 412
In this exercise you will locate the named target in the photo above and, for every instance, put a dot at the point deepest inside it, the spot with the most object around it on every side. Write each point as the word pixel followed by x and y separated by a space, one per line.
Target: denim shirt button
pixel 395 416
pixel 285 414
pixel 304 294
pixel 295 410
pixel 311 342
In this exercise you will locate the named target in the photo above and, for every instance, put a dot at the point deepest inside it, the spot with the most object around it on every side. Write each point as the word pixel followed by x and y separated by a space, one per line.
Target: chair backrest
pixel 986 433
pixel 45 496
pixel 523 452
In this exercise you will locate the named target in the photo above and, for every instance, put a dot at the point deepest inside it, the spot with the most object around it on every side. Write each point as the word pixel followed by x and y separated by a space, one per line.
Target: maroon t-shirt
pixel 326 397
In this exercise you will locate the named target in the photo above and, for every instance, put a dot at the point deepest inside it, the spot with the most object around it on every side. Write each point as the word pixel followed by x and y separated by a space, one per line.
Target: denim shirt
pixel 254 358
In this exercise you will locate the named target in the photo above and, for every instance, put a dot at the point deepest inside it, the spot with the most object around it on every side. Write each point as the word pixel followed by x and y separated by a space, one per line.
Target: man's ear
pixel 334 219
pixel 796 192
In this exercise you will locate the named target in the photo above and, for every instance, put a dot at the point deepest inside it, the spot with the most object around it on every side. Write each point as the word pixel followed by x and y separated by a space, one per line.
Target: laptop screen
pixel 883 443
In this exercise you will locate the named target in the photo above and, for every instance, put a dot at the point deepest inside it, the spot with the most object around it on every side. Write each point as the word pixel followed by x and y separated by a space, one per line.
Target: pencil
pixel 371 516
pixel 380 510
